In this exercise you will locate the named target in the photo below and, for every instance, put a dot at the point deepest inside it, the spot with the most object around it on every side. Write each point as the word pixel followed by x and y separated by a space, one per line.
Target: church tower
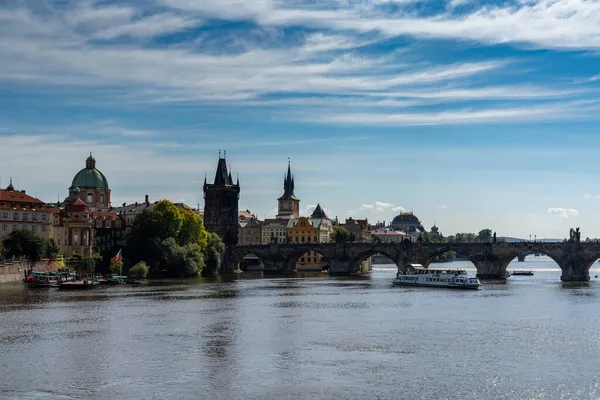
pixel 221 204
pixel 288 204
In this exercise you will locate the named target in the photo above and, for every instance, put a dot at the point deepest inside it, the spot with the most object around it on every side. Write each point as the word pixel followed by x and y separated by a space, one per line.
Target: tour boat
pixel 417 275
pixel 45 281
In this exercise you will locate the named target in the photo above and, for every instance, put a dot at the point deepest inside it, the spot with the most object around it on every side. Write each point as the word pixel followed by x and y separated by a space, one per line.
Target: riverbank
pixel 12 272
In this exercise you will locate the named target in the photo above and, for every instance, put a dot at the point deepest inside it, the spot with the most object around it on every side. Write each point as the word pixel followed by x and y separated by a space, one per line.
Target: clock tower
pixel 288 204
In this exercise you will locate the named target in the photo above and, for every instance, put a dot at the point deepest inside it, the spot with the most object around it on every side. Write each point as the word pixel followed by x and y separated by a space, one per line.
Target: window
pixel 15 227
pixel 24 227
pixel 4 228
pixel 102 198
pixel 90 198
pixel 44 227
pixel 44 217
pixel 15 216
pixel 5 215
pixel 25 217
pixel 34 217
pixel 33 228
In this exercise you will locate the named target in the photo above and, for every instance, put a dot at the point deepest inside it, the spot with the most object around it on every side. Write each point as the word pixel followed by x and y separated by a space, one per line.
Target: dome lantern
pixel 90 177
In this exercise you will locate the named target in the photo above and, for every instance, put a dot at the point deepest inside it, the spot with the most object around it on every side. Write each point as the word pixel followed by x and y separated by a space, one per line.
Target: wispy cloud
pixel 565 213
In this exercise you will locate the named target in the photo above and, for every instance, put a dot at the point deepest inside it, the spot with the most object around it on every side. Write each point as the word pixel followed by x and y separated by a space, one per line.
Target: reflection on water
pixel 303 338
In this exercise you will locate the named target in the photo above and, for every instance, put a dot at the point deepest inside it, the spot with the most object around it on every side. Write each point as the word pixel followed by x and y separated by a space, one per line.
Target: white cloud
pixel 399 209
pixel 380 209
pixel 367 206
pixel 383 204
pixel 564 212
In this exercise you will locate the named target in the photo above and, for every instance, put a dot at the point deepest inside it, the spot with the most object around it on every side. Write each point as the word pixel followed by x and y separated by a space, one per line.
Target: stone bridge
pixel 491 259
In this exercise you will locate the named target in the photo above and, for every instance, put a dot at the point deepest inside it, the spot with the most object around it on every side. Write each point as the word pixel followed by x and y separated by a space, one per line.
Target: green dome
pixel 90 178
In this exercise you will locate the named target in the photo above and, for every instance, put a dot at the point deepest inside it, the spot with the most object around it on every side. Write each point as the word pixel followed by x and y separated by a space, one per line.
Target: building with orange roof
pixel 18 210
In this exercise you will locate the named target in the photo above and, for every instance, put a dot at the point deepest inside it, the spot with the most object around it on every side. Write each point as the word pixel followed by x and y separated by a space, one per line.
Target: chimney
pixel 136 204
pixel 22 191
pixel 147 202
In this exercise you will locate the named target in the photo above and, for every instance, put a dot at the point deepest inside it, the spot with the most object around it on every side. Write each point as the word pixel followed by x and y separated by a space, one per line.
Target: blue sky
pixel 474 114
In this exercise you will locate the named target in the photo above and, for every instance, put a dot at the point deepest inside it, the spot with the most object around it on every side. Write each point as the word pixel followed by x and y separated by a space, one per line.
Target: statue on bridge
pixel 494 238
pixel 574 236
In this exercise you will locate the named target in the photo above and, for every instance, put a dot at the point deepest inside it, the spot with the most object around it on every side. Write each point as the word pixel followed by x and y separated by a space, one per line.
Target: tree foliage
pixel 22 242
pixel 116 266
pixel 340 235
pixel 139 270
pixel 215 248
pixel 171 242
pixel 51 250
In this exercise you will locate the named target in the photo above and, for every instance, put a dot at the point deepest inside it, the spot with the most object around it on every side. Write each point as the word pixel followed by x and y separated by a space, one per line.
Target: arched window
pixel 102 198
pixel 90 198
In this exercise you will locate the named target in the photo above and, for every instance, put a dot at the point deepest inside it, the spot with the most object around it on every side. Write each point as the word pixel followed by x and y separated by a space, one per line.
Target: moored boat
pixel 79 284
pixel 45 281
pixel 522 273
pixel 417 275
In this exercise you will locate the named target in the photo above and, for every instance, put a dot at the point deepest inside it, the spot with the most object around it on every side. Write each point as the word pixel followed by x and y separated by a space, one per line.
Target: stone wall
pixel 12 272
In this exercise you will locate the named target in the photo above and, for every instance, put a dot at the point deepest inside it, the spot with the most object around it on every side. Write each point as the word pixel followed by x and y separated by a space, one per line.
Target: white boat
pixel 417 275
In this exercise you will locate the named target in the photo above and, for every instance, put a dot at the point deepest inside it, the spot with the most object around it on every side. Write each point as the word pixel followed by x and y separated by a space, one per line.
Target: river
pixel 304 338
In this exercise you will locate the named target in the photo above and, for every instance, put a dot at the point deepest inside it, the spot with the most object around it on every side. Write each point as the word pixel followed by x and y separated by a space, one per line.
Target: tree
pixel 340 235
pixel 169 219
pixel 484 236
pixel 139 270
pixel 214 249
pixel 24 243
pixel 51 250
pixel 116 266
pixel 192 230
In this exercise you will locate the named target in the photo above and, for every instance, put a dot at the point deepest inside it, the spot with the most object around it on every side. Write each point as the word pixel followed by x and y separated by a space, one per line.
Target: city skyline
pixel 472 114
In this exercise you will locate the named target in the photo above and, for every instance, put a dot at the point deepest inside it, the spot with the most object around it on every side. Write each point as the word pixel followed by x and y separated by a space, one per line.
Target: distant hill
pixel 514 240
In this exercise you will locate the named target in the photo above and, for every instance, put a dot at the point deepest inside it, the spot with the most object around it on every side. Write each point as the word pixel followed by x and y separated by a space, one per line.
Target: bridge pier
pixel 521 257
pixel 575 265
pixel 492 269
pixel 340 268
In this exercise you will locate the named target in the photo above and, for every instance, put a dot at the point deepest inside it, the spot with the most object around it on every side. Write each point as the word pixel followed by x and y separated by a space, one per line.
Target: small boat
pixel 113 280
pixel 45 281
pixel 417 275
pixel 522 273
pixel 79 284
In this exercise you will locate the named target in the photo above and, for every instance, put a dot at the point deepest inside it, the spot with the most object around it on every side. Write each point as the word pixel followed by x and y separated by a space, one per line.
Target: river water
pixel 304 338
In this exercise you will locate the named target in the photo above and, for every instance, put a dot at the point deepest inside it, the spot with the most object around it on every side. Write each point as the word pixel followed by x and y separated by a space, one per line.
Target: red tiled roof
pixel 18 197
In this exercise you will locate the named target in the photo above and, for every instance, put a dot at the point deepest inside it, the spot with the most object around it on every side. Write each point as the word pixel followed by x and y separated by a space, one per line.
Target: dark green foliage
pixel 215 248
pixel 51 251
pixel 139 270
pixel 171 242
pixel 24 243
pixel 340 235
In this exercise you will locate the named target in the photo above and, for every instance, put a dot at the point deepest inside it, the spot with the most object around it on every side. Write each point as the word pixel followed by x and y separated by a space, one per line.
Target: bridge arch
pixel 356 261
pixel 308 258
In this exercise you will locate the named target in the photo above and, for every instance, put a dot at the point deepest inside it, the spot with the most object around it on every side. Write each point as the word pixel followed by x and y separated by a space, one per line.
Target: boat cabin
pixel 411 269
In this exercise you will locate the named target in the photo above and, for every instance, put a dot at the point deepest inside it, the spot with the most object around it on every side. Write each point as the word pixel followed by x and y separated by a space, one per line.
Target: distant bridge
pixel 491 259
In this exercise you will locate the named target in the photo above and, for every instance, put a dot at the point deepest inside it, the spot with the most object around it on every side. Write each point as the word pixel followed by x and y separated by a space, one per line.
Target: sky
pixel 472 114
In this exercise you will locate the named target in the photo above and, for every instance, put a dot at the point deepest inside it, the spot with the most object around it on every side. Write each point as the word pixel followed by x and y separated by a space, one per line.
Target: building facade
pixel 316 229
pixel 409 223
pixel 18 210
pixel 250 232
pixel 221 205
pixel 274 231
pixel 92 185
pixel 288 205
pixel 388 236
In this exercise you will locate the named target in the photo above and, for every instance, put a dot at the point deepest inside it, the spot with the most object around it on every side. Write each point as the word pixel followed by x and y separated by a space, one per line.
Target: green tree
pixel 214 250
pixel 340 235
pixel 139 270
pixel 169 219
pixel 24 243
pixel 51 250
pixel 116 266
pixel 484 236
pixel 192 229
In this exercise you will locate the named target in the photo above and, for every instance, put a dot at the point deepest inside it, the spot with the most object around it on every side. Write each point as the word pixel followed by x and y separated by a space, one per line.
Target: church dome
pixel 90 177
pixel 406 219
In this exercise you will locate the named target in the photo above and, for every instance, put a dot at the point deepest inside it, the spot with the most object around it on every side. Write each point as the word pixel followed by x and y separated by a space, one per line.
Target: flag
pixel 30 277
pixel 118 256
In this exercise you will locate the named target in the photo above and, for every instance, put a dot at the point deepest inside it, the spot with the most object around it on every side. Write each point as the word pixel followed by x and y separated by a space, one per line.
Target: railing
pixel 8 261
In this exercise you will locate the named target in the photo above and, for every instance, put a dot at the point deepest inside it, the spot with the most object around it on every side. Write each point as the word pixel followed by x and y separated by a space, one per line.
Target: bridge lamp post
pixel 530 237
pixel 535 238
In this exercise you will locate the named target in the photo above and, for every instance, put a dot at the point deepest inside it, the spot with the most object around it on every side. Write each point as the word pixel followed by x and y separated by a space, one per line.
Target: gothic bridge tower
pixel 288 206
pixel 221 204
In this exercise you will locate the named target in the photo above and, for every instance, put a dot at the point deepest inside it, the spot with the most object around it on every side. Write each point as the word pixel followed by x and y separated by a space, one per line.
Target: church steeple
pixel 10 185
pixel 223 175
pixel 288 203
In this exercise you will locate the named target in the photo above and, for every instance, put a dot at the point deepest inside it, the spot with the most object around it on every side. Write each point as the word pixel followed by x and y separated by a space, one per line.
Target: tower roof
pixel 223 175
pixel 319 213
pixel 288 185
